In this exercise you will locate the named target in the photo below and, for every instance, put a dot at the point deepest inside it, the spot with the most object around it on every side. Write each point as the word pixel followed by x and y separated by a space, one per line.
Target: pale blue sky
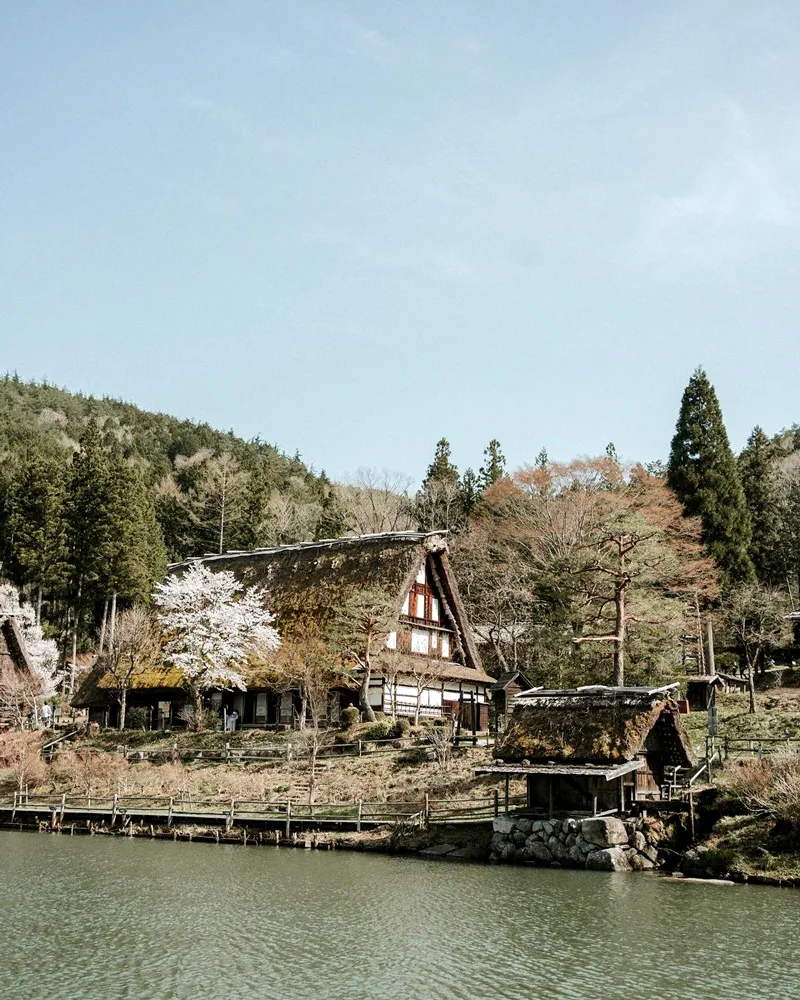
pixel 355 227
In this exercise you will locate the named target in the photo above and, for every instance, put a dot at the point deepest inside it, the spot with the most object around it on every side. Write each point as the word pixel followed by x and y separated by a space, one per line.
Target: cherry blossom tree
pixel 212 626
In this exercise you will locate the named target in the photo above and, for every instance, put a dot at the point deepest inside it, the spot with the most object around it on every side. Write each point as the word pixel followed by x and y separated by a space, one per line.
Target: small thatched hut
pixel 429 664
pixel 593 749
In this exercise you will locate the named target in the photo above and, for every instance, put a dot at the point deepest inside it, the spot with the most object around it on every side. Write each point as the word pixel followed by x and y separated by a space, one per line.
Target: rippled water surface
pixel 88 917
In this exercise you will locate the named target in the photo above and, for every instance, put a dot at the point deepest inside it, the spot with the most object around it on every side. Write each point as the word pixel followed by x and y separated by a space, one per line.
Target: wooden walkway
pixel 118 812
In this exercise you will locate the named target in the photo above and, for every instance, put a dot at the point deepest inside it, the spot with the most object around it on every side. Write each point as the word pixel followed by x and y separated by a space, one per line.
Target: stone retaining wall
pixel 606 843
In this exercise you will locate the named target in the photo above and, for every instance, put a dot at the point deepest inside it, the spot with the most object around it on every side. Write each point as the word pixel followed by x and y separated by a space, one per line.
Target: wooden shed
pixel 592 750
pixel 503 692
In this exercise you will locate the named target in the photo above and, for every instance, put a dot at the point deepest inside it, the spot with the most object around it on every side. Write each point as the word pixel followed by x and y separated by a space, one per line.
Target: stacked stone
pixel 605 843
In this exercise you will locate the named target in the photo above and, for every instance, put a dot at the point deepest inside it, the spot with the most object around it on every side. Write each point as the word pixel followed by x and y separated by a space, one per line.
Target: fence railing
pixel 738 746
pixel 276 752
pixel 169 809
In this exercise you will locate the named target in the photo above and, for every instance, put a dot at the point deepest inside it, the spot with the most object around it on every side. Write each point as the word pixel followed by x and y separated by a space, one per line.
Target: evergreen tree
pixel 136 557
pixel 439 504
pixel 334 519
pixel 470 492
pixel 86 513
pixel 36 531
pixel 757 473
pixel 703 474
pixel 494 465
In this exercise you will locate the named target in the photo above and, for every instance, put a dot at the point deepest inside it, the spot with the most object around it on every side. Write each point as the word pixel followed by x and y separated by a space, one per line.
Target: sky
pixel 353 228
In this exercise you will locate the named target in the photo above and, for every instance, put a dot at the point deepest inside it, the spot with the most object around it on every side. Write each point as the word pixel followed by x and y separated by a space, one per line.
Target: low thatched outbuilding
pixel 592 749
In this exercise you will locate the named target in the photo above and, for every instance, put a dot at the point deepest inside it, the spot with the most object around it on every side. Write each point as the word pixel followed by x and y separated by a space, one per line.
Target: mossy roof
pixel 566 726
pixel 308 583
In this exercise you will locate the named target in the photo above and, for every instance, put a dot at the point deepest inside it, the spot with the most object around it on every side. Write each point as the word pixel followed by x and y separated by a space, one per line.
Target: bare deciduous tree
pixel 378 501
pixel 134 643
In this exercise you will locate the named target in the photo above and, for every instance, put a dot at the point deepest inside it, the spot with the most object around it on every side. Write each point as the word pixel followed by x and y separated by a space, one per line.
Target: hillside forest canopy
pixel 587 571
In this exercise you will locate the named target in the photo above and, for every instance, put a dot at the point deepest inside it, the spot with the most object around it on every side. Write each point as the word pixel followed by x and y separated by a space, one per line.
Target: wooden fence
pixel 276 753
pixel 727 747
pixel 119 810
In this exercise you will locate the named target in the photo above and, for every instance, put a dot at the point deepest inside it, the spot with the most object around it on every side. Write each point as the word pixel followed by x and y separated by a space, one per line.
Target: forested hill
pixel 208 488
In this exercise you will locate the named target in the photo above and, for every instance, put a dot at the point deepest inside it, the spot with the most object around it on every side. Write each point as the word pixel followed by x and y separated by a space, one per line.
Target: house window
pixel 445 644
pixel 434 640
pixel 420 606
pixel 434 610
pixel 421 574
pixel 391 640
pixel 405 604
pixel 419 641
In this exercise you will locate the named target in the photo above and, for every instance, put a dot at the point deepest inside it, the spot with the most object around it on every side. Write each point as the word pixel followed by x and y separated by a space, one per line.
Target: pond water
pixel 92 917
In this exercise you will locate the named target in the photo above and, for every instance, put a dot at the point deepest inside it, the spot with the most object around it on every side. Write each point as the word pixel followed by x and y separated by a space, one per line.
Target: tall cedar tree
pixel 703 474
pixel 494 465
pixel 35 525
pixel 759 482
pixel 439 503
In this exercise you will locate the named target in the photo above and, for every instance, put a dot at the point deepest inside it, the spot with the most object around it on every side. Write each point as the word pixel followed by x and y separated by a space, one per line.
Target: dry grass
pixel 374 777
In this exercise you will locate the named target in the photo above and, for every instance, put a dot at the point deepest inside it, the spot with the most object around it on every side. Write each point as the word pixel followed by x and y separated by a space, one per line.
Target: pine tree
pixel 334 519
pixel 703 474
pixel 36 531
pixel 439 504
pixel 757 473
pixel 86 514
pixel 494 465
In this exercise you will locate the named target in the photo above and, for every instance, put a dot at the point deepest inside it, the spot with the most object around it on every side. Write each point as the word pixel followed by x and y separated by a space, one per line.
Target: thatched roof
pixel 13 652
pixel 592 724
pixel 309 583
pixel 98 687
pixel 312 581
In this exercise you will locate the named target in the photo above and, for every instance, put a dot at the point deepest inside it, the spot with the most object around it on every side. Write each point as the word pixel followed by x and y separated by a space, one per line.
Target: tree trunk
pixel 301 719
pixel 123 706
pixel 751 685
pixel 198 709
pixel 75 619
pixel 103 626
pixel 619 643
pixel 112 628
pixel 710 660
pixel 363 693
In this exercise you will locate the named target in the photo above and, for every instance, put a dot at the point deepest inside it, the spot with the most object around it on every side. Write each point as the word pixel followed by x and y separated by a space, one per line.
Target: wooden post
pixel 114 809
pixel 359 748
pixel 14 807
pixel 63 805
pixel 288 750
pixel 594 796
pixel 288 818
pixel 427 808
pixel 505 796
pixel 227 752
pixel 360 807
pixel 169 815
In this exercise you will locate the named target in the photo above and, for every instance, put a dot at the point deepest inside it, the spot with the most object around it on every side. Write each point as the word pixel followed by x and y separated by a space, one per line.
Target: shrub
pixel 350 717
pixel 136 718
pixel 727 662
pixel 384 729
pixel 718 860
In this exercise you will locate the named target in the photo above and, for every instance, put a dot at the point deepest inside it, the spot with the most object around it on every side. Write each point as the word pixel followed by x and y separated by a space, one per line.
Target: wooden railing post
pixel 63 805
pixel 359 748
pixel 227 752
pixel 114 809
pixel 14 807
pixel 169 815
pixel 360 808
pixel 288 826
pixel 427 809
